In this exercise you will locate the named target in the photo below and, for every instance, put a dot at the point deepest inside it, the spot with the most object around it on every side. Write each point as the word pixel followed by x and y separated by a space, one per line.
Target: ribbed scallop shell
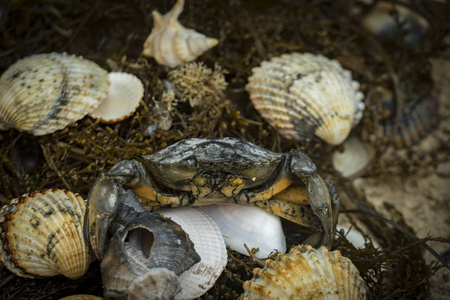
pixel 43 93
pixel 306 273
pixel 172 44
pixel 41 235
pixel 208 243
pixel 250 225
pixel 303 95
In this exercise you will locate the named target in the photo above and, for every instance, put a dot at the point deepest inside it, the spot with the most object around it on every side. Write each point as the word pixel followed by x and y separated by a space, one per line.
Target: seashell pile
pixel 250 225
pixel 41 235
pixel 208 243
pixel 172 44
pixel 306 273
pixel 125 93
pixel 303 95
pixel 145 255
pixel 43 93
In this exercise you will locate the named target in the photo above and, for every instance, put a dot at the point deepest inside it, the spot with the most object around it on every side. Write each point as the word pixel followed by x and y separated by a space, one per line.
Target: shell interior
pixel 41 235
pixel 43 93
pixel 250 225
pixel 303 95
pixel 125 93
pixel 208 243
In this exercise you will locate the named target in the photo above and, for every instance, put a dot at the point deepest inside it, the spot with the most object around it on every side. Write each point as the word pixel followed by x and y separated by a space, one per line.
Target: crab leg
pixel 103 200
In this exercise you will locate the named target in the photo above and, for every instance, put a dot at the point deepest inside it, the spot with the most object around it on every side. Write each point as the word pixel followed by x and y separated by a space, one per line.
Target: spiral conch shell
pixel 42 235
pixel 46 92
pixel 172 44
pixel 306 273
pixel 303 95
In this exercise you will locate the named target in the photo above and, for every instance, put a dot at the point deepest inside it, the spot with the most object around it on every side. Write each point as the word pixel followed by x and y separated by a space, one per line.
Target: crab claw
pixel 319 199
pixel 102 204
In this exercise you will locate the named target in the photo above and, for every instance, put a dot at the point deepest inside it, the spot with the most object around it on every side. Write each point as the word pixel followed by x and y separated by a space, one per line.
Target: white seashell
pixel 250 225
pixel 172 44
pixel 302 95
pixel 354 157
pixel 125 93
pixel 306 273
pixel 355 237
pixel 208 243
pixel 43 93
pixel 42 235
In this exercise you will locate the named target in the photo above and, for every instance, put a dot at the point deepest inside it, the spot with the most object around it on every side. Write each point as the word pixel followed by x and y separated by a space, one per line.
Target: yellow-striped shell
pixel 46 92
pixel 41 235
pixel 306 273
pixel 303 95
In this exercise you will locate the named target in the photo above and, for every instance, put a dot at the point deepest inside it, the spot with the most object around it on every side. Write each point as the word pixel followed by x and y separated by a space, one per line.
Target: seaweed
pixel 111 33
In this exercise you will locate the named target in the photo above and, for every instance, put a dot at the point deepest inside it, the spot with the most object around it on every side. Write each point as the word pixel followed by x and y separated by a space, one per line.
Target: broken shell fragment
pixel 302 95
pixel 250 225
pixel 146 254
pixel 125 93
pixel 306 273
pixel 43 93
pixel 172 44
pixel 208 243
pixel 42 236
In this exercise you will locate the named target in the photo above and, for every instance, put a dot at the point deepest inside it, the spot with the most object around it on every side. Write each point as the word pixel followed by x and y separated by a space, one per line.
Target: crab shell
pixel 46 92
pixel 41 235
pixel 172 44
pixel 306 273
pixel 302 95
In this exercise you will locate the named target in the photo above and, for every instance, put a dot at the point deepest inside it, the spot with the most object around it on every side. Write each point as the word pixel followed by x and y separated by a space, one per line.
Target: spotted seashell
pixel 208 243
pixel 249 225
pixel 43 93
pixel 303 95
pixel 41 235
pixel 172 44
pixel 306 273
pixel 146 254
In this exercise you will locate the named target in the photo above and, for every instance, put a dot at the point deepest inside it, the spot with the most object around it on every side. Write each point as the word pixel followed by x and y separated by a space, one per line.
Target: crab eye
pixel 189 163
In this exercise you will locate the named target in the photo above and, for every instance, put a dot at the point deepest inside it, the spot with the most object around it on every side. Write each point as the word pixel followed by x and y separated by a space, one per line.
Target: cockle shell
pixel 41 235
pixel 125 93
pixel 250 225
pixel 43 93
pixel 303 95
pixel 145 255
pixel 306 273
pixel 208 243
pixel 172 44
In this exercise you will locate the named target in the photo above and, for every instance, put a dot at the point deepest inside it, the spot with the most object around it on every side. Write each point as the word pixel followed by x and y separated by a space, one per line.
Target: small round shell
pixel 41 235
pixel 43 93
pixel 172 44
pixel 125 93
pixel 306 273
pixel 250 225
pixel 303 95
pixel 353 158
pixel 208 243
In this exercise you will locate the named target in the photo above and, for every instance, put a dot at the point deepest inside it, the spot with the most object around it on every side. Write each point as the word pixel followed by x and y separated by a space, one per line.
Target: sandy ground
pixel 424 196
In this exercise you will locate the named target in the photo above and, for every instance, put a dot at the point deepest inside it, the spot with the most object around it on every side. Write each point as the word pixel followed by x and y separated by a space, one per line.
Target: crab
pixel 212 171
